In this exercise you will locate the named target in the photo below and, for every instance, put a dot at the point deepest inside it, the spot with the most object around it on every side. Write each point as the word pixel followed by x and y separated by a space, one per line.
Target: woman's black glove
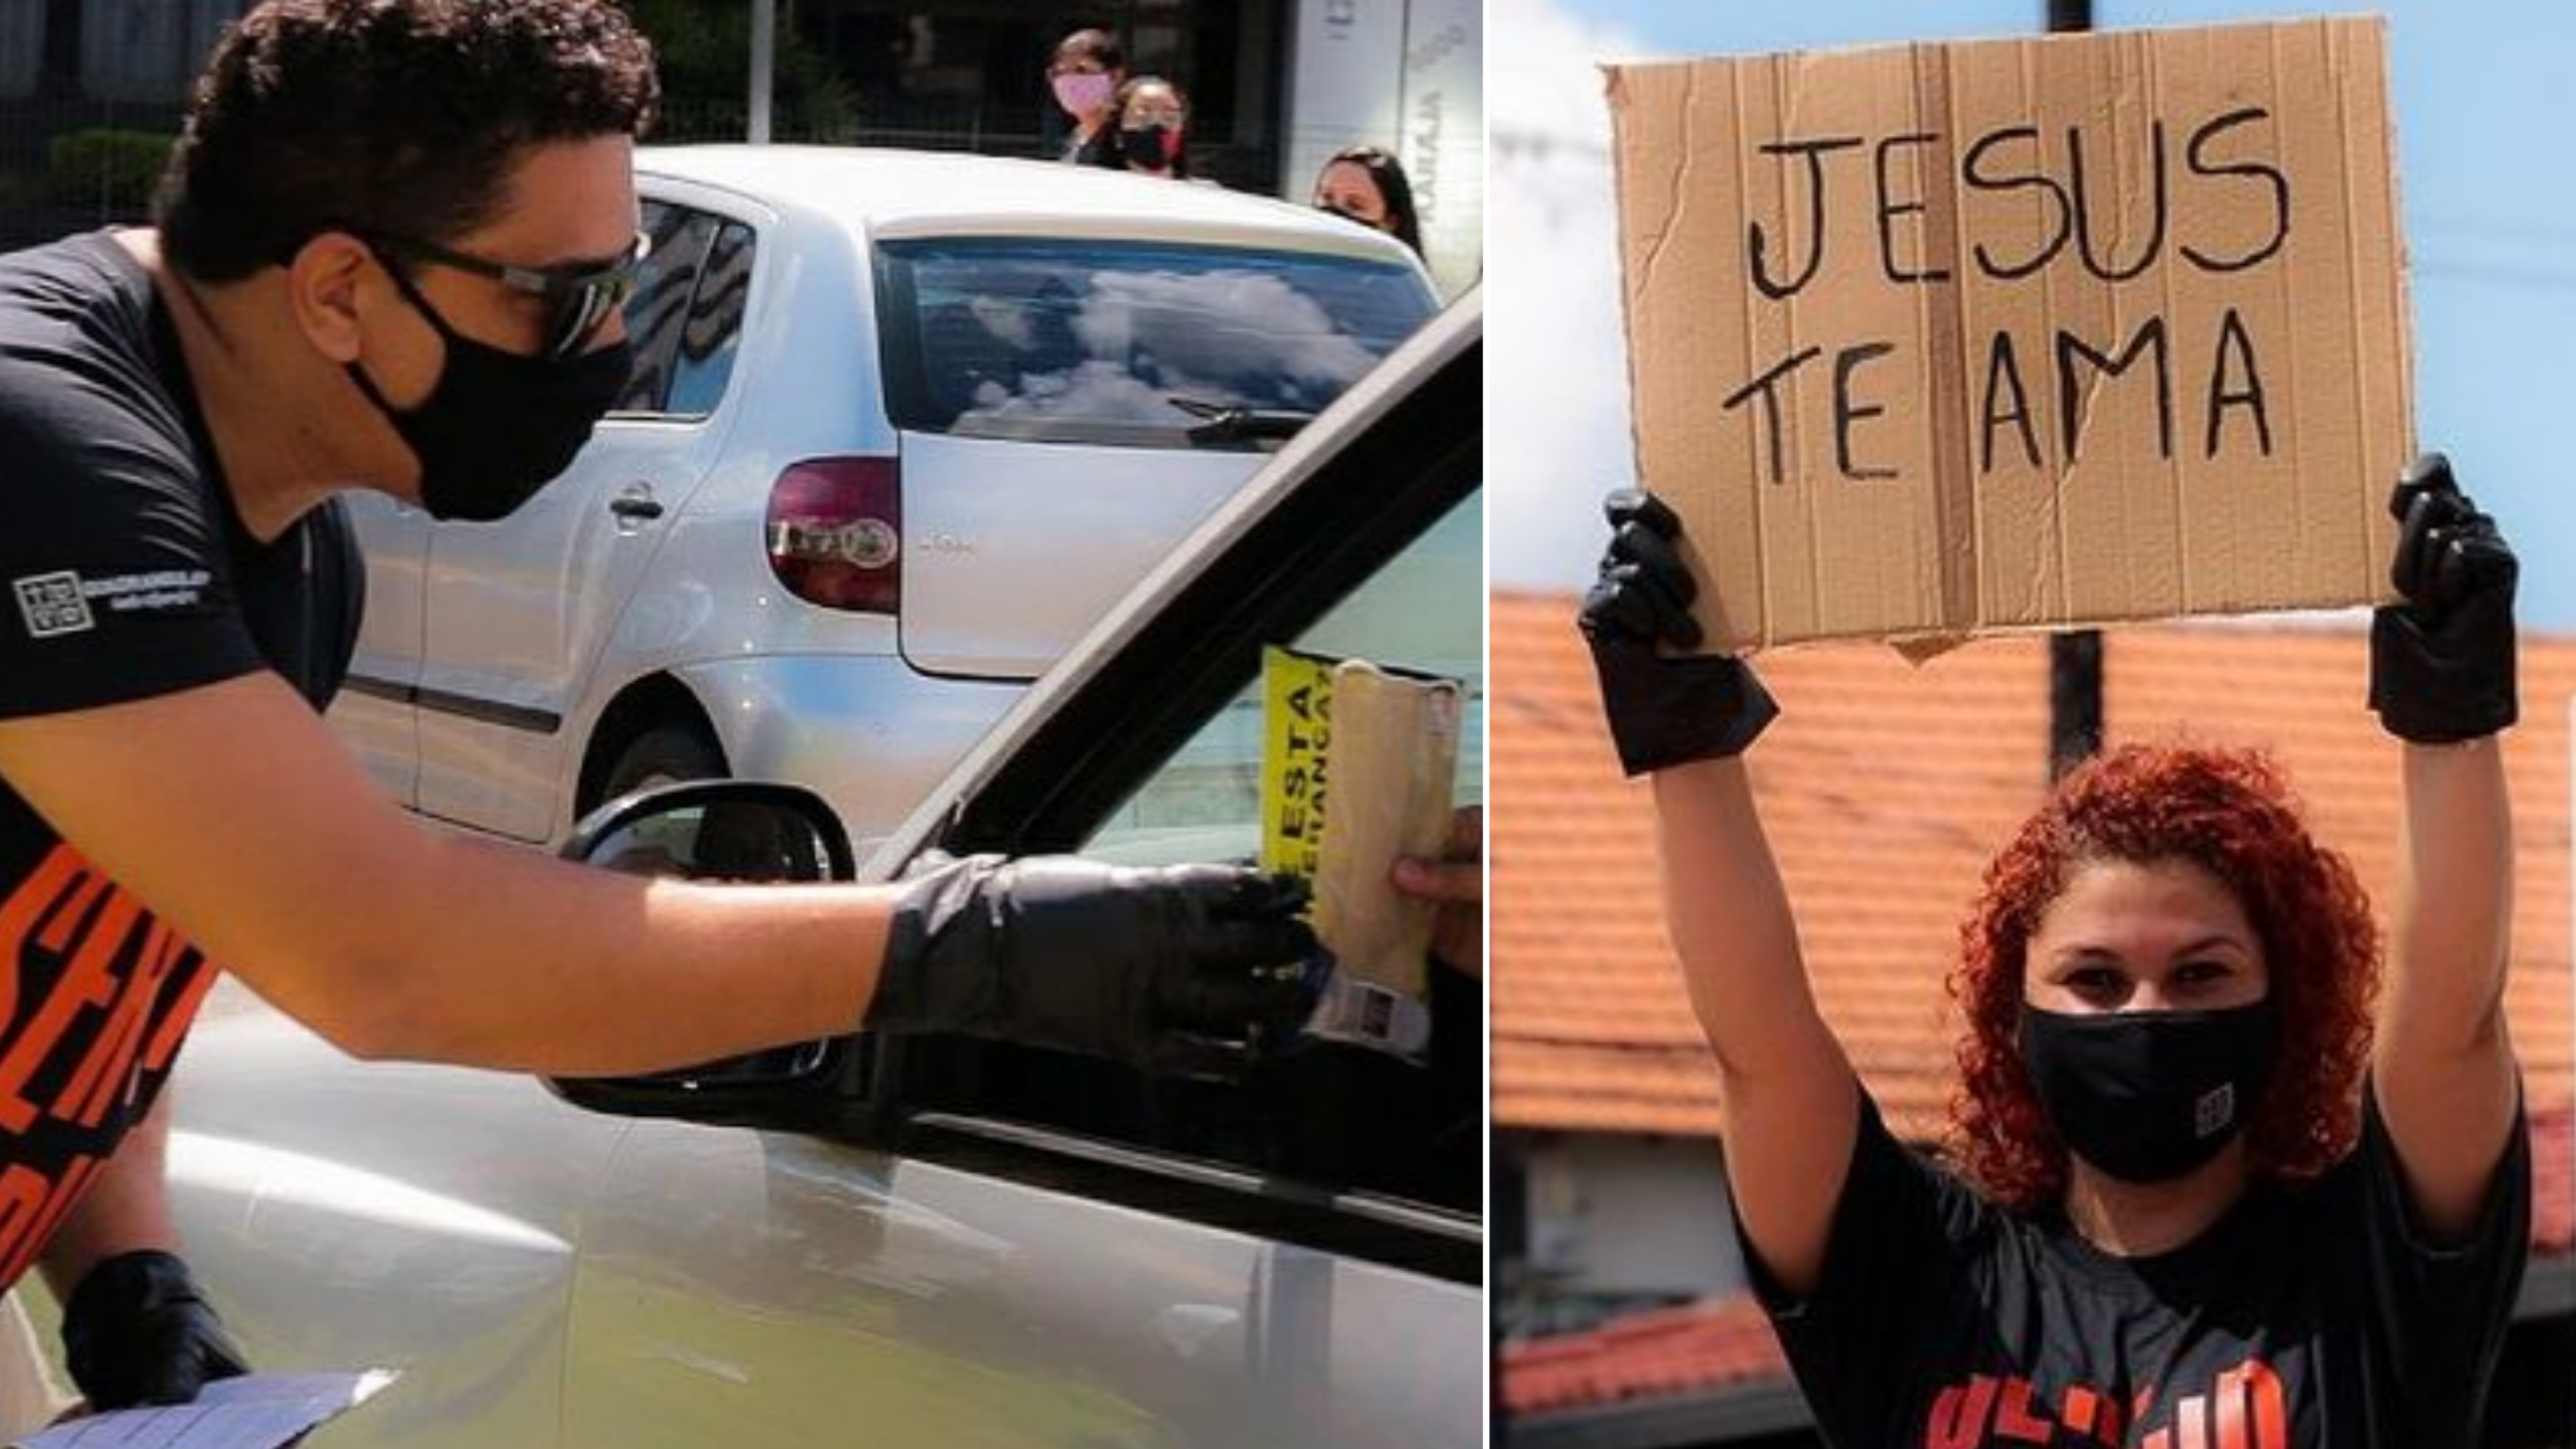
pixel 1663 710
pixel 1161 968
pixel 137 1331
pixel 2442 662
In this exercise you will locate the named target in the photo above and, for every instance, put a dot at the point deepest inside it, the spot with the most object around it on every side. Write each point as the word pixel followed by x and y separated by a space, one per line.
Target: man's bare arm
pixel 235 814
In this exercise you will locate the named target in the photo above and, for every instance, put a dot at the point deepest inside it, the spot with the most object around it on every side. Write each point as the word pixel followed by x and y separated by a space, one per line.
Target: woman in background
pixel 1367 184
pixel 1153 119
pixel 1088 69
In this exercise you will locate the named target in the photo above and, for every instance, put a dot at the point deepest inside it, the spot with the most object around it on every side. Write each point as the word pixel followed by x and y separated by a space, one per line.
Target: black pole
pixel 2074 657
pixel 2074 700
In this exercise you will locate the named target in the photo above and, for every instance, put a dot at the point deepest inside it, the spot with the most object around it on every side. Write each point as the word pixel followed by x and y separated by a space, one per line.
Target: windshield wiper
pixel 1225 421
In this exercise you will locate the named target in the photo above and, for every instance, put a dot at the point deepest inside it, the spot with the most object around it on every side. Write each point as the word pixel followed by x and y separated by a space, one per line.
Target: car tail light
pixel 836 532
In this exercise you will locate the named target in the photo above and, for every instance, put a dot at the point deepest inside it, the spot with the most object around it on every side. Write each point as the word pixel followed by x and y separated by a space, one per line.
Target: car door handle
pixel 638 504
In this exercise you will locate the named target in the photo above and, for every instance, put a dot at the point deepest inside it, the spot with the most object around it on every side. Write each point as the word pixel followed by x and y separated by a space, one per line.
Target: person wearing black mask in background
pixel 349 289
pixel 1367 184
pixel 2196 1193
pixel 1153 128
pixel 1084 77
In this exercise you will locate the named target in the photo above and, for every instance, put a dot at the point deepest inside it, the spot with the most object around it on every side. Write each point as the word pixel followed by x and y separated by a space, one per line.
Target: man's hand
pixel 1161 968
pixel 1457 882
pixel 2442 662
pixel 138 1331
pixel 1663 711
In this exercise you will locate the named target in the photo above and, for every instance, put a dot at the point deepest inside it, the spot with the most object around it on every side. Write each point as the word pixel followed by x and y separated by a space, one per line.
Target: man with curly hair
pixel 2211 1184
pixel 391 252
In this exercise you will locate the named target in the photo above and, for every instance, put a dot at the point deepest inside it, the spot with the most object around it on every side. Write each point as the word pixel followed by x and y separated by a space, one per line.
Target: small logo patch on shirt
pixel 2214 1111
pixel 53 604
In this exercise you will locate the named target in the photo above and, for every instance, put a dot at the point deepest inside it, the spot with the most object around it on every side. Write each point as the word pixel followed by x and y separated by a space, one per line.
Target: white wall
pixel 1630 1215
pixel 1407 75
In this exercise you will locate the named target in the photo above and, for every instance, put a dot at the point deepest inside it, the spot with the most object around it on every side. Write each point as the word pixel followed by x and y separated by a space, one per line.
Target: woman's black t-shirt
pixel 2313 1318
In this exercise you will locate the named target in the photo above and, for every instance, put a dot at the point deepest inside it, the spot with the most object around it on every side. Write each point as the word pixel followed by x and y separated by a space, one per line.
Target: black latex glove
pixel 1169 969
pixel 137 1331
pixel 1663 710
pixel 2441 662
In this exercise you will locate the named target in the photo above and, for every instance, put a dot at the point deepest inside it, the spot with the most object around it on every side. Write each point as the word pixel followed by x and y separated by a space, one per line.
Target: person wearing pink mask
pixel 1088 68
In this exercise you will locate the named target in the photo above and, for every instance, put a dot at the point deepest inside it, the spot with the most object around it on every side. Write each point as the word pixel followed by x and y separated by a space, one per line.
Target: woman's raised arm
pixel 1788 1095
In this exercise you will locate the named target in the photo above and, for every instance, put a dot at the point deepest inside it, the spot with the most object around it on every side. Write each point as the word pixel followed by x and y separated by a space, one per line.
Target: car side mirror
pixel 717 830
pixel 740 831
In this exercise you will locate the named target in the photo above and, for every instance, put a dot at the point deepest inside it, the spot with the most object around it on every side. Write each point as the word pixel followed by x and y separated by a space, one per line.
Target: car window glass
pixel 1423 610
pixel 1127 343
pixel 712 335
pixel 655 313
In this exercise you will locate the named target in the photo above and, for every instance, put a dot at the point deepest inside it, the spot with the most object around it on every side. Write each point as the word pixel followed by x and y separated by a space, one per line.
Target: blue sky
pixel 2485 95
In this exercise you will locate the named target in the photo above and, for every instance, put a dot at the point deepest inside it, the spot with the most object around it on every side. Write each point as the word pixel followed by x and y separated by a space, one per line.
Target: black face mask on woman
pixel 498 426
pixel 2147 1096
pixel 1155 145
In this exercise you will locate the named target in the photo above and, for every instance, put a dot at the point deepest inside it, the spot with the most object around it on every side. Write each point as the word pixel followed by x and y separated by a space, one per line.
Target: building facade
pixel 1275 87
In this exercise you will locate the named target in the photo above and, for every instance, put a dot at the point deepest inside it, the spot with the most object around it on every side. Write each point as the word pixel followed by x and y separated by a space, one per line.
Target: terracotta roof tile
pixel 1885 789
pixel 1699 1346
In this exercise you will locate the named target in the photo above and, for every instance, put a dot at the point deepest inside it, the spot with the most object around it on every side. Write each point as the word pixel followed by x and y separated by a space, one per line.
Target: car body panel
pixel 980 524
pixel 742 1287
pixel 374 712
pixel 495 653
pixel 371 1214
pixel 553 1276
pixel 834 724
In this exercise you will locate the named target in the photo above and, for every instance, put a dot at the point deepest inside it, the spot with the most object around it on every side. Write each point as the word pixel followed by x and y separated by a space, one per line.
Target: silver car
pixel 927 1241
pixel 902 426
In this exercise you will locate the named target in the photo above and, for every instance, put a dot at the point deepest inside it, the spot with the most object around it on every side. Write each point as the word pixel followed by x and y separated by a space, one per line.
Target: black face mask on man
pixel 497 426
pixel 2147 1096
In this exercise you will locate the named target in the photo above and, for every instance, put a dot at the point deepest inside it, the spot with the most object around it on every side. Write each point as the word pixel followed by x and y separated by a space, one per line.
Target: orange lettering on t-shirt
pixel 183 1010
pixel 2113 1421
pixel 89 981
pixel 2252 1390
pixel 22 1200
pixel 68 1191
pixel 2191 1423
pixel 1959 1415
pixel 33 900
pixel 2014 1419
pixel 23 1237
pixel 107 1071
pixel 2081 1405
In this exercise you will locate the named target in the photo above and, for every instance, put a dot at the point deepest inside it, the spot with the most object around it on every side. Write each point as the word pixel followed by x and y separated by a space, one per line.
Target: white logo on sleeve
pixel 59 603
pixel 53 604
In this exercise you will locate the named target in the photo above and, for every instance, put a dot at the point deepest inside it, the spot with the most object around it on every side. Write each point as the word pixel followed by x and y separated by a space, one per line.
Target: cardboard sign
pixel 1937 339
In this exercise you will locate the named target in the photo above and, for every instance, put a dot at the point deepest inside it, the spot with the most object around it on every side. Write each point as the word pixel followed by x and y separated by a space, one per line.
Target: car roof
pixel 887 192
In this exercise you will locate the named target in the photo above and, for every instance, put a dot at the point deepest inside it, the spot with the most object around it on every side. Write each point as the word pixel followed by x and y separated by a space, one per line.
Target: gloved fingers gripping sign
pixel 1665 708
pixel 2442 665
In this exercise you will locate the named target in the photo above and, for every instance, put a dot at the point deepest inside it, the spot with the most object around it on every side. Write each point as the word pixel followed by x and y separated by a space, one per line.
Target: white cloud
pixel 1556 380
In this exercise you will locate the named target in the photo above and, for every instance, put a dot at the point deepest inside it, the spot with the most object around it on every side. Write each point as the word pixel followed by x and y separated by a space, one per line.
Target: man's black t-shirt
pixel 126 575
pixel 2314 1317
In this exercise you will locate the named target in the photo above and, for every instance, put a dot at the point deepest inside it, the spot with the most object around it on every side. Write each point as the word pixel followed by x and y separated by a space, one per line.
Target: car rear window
pixel 1128 343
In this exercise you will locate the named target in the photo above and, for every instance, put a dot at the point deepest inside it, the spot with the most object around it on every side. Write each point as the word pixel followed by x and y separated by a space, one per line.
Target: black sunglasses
pixel 579 299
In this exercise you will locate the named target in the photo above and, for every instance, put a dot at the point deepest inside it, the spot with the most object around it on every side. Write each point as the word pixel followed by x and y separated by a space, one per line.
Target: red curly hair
pixel 2230 812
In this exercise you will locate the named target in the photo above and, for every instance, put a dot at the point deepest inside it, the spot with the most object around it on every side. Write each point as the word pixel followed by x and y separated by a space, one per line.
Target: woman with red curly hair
pixel 2212 1186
